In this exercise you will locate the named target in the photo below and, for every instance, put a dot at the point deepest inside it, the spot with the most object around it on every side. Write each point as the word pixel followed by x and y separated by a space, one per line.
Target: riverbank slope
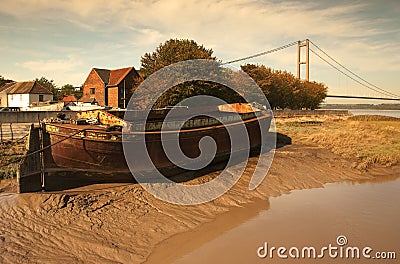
pixel 111 223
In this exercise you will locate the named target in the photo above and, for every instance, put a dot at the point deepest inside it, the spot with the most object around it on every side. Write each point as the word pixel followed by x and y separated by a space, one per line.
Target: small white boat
pixel 83 106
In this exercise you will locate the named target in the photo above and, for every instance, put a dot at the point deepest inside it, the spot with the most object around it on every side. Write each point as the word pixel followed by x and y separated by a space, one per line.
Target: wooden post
pixel 1 132
pixel 124 95
pixel 11 131
pixel 29 173
pixel 42 168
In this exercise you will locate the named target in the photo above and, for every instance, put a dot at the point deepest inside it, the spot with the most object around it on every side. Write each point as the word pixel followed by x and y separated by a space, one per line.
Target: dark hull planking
pixel 101 151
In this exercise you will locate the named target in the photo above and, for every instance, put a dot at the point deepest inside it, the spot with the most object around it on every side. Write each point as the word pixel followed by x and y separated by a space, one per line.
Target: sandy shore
pixel 113 223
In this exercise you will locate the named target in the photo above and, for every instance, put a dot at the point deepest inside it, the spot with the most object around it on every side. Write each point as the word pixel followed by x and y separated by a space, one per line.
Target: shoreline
pixel 179 245
pixel 308 217
pixel 121 222
pixel 126 224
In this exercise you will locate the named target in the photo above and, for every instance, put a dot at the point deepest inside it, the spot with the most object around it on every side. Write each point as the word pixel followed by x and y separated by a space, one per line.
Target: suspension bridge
pixel 313 49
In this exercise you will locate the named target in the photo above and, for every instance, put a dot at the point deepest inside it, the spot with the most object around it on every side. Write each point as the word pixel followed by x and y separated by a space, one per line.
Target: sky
pixel 63 40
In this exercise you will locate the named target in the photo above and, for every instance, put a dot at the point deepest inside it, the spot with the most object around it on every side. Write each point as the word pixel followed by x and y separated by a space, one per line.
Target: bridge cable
pixel 262 53
pixel 365 84
pixel 382 91
pixel 346 73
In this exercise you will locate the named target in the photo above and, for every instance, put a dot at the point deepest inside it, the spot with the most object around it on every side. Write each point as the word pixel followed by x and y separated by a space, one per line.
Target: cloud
pixel 233 28
pixel 66 65
pixel 148 36
pixel 64 69
pixel 226 17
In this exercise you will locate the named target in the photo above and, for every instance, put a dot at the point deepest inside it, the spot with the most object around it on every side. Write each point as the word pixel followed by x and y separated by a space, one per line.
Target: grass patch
pixel 10 151
pixel 373 118
pixel 369 141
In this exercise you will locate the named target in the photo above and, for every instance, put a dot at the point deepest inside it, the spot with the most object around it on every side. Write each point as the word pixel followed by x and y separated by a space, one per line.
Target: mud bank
pixel 113 223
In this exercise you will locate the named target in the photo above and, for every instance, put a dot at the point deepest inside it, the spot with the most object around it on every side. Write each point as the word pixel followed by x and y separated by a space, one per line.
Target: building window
pixel 92 90
pixel 41 97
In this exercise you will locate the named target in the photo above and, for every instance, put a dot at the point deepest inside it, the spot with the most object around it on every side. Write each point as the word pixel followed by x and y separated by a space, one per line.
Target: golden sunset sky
pixel 63 40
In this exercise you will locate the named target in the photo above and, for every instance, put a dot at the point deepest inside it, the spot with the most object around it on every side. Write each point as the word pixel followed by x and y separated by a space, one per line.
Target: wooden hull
pixel 102 151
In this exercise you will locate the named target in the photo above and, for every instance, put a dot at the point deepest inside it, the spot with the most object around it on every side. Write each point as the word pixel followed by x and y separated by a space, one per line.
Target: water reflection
pixel 368 214
pixel 394 113
pixel 379 179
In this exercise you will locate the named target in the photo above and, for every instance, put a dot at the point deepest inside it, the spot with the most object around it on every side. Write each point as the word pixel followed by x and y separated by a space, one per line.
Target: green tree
pixel 284 90
pixel 70 89
pixel 263 76
pixel 51 86
pixel 309 95
pixel 172 51
pixel 4 81
pixel 78 93
pixel 67 89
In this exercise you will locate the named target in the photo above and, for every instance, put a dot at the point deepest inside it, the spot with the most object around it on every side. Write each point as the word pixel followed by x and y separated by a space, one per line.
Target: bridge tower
pixel 300 45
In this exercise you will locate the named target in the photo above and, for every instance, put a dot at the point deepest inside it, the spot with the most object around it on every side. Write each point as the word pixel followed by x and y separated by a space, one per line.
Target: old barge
pixel 94 140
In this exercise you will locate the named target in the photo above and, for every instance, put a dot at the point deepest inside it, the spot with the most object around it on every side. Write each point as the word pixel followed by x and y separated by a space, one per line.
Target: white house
pixel 23 94
pixel 3 94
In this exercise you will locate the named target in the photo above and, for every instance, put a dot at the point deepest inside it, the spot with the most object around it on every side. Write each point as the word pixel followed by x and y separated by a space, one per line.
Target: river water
pixel 367 213
pixel 394 113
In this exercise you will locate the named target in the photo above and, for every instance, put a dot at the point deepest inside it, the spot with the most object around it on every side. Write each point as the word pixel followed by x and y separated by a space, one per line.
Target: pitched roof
pixel 31 87
pixel 112 77
pixel 68 98
pixel 104 74
pixel 7 86
pixel 116 76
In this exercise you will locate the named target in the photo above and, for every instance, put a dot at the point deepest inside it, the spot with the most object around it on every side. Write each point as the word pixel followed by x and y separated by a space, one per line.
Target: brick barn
pixel 109 87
